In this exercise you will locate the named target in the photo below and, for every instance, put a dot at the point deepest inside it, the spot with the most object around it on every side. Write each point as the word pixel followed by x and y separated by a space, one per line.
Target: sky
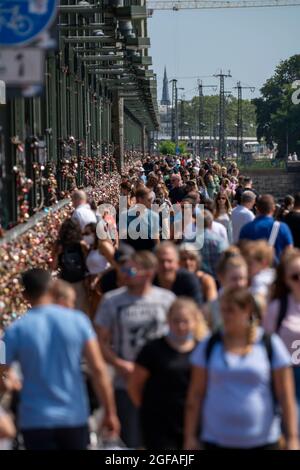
pixel 198 43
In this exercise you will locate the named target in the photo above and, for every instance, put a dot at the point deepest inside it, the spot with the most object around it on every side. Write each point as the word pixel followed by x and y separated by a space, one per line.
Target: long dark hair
pixel 200 182
pixel 280 289
pixel 93 227
pixel 70 232
pixel 284 208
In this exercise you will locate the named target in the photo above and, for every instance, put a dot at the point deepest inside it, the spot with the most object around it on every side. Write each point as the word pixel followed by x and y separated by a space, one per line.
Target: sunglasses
pixel 130 272
pixel 295 277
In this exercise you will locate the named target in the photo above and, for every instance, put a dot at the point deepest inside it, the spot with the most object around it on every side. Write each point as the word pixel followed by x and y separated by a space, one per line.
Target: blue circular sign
pixel 21 21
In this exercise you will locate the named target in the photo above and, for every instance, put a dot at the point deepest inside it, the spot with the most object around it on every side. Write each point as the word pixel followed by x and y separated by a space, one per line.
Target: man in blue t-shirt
pixel 141 224
pixel 49 343
pixel 262 226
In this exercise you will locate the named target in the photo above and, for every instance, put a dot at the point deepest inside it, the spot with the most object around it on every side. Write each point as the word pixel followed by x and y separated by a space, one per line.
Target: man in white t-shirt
pixel 217 228
pixel 220 231
pixel 242 214
pixel 83 214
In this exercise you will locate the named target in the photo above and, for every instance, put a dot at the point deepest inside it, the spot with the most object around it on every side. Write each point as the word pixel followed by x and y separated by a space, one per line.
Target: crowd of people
pixel 176 313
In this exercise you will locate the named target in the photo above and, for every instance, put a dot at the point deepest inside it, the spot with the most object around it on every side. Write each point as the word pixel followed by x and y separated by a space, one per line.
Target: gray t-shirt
pixel 133 320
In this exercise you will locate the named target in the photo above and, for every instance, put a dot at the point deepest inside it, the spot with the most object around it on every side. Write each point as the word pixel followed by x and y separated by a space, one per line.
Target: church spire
pixel 165 99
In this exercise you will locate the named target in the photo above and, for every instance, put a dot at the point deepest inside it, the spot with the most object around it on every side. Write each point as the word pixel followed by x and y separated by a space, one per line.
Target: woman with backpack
pixel 159 382
pixel 283 313
pixel 69 257
pixel 238 376
pixel 98 260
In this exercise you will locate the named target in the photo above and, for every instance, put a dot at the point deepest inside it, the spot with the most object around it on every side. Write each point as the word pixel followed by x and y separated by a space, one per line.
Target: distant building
pixel 165 110
pixel 165 99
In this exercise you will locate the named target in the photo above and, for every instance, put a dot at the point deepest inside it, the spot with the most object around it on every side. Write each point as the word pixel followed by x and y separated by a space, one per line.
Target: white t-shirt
pixel 225 220
pixel 84 215
pixel 220 230
pixel 240 216
pixel 261 282
pixel 96 262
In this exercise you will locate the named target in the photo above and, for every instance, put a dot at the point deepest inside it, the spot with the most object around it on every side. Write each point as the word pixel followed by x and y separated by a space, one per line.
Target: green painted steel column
pixel 16 157
pixel 51 108
pixel 118 129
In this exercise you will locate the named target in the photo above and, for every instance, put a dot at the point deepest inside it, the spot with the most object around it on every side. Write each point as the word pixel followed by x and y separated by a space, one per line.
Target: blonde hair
pixel 243 299
pixel 259 251
pixel 231 259
pixel 201 329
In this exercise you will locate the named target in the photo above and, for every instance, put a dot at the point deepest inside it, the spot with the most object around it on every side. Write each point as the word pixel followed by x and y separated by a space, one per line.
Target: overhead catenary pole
pixel 222 140
pixel 240 125
pixel 181 127
pixel 174 110
pixel 176 116
pixel 200 116
pixel 201 124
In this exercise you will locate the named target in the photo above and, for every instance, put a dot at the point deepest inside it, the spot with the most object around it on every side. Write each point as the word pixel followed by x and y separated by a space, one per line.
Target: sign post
pixel 22 21
pixel 21 66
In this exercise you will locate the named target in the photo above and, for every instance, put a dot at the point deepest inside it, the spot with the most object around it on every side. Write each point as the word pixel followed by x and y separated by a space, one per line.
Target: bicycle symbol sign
pixel 21 21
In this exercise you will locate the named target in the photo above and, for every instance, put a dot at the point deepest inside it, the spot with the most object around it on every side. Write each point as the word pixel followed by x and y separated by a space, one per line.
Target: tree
pixel 167 147
pixel 278 117
pixel 189 116
pixel 182 148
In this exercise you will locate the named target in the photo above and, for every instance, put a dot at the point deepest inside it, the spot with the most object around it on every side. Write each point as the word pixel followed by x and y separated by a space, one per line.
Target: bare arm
pixel 207 315
pixel 102 383
pixel 125 368
pixel 210 288
pixel 137 383
pixel 285 394
pixel 193 407
pixel 9 380
pixel 85 248
pixel 107 250
pixel 7 427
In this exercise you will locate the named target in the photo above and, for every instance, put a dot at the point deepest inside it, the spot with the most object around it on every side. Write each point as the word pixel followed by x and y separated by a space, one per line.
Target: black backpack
pixel 217 338
pixel 72 263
